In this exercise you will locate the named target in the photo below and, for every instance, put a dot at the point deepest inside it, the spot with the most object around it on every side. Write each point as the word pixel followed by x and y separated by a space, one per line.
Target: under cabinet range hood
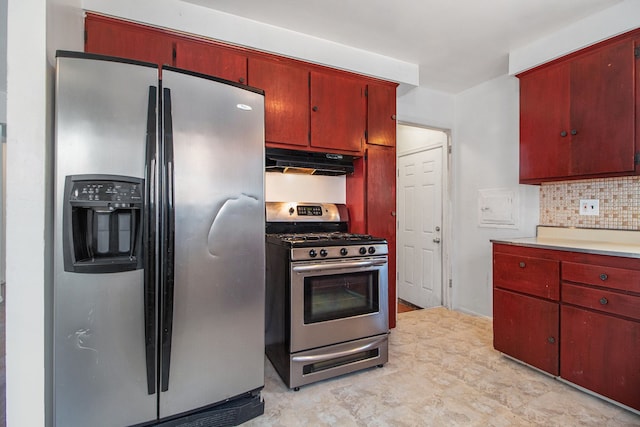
pixel 306 162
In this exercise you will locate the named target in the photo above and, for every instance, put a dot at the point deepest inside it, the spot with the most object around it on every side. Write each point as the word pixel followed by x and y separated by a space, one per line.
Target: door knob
pixel 436 240
pixel 437 228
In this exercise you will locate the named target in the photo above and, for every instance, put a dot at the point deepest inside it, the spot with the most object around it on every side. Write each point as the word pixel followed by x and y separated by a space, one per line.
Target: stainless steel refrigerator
pixel 159 246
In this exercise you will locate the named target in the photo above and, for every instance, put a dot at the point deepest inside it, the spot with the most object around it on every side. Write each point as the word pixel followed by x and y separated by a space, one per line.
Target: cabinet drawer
pixel 534 276
pixel 602 300
pixel 609 277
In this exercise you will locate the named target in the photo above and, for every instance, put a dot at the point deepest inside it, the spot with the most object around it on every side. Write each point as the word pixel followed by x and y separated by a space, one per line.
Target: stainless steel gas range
pixel 326 294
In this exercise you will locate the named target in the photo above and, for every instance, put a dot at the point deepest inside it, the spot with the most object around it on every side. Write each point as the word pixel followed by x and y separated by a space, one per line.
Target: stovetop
pixel 317 231
pixel 327 239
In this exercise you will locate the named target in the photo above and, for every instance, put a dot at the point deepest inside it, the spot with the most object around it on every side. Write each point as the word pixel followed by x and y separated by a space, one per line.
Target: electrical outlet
pixel 589 207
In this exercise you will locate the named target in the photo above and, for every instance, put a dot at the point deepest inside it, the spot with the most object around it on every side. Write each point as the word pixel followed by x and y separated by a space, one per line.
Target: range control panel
pixel 309 210
pixel 306 212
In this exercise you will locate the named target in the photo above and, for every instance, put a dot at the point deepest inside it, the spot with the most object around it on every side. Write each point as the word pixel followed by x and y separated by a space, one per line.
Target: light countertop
pixel 624 243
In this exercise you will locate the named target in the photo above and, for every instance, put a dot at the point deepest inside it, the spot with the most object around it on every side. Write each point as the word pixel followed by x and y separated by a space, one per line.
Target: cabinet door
pixel 111 37
pixel 381 208
pixel 526 328
pixel 338 112
pixel 577 117
pixel 545 145
pixel 381 115
pixel 602 111
pixel 286 91
pixel 208 58
pixel 601 353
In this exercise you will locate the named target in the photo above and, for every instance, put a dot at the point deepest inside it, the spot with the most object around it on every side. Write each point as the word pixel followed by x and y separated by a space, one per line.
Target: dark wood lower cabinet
pixel 381 209
pixel 526 328
pixel 601 353
pixel 572 314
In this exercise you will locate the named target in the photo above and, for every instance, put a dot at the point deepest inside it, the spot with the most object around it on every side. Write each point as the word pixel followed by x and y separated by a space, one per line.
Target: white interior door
pixel 420 227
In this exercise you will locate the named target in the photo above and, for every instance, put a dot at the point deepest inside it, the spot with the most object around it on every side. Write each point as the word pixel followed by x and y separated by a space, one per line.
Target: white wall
pixel 33 26
pixel 27 90
pixel 485 156
pixel 3 122
pixel 600 26
pixel 426 107
pixel 286 187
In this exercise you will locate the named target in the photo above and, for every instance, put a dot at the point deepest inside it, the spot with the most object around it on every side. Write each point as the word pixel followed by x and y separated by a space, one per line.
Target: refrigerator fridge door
pixel 213 344
pixel 99 332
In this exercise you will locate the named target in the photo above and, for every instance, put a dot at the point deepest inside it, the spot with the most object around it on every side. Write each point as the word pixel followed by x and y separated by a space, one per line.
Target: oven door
pixel 334 301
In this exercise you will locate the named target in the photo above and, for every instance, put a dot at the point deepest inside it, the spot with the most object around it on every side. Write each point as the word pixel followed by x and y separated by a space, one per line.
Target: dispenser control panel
pixel 106 191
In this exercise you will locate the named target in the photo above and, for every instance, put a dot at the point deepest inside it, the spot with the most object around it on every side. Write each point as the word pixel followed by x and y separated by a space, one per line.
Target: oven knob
pixel 323 252
pixel 313 253
pixel 363 250
pixel 372 250
pixel 344 251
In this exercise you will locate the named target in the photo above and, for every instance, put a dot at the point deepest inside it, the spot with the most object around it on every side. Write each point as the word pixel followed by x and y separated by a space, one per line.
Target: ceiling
pixel 457 44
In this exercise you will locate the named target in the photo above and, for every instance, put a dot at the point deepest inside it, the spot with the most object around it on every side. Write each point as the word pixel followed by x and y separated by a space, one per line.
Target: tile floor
pixel 442 371
pixel 3 386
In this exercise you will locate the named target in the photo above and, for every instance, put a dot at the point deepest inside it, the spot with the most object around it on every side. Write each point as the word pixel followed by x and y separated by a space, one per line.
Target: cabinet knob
pixel 436 240
pixel 393 213
pixel 603 277
pixel 315 108
pixel 563 133
pixel 604 301
pixel 241 79
pixel 574 132
pixel 551 340
pixel 522 264
pixel 393 117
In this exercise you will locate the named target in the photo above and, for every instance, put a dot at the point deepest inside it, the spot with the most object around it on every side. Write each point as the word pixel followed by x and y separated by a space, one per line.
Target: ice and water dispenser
pixel 102 223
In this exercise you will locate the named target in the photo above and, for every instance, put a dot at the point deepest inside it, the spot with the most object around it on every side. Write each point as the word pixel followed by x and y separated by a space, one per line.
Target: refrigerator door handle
pixel 149 239
pixel 168 242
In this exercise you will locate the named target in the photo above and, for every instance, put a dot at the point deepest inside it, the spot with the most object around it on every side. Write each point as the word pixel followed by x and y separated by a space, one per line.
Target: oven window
pixel 340 295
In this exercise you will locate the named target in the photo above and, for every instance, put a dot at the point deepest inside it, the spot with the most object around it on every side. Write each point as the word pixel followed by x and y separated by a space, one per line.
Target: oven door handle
pixel 328 356
pixel 341 265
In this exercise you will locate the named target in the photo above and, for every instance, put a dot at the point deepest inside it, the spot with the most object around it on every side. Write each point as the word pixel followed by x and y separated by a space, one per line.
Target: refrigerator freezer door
pixel 99 341
pixel 217 344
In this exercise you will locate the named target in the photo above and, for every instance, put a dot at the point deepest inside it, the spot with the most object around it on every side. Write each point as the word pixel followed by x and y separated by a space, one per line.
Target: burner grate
pixel 323 237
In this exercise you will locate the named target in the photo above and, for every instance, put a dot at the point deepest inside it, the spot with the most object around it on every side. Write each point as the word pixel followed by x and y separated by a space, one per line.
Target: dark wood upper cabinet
pixel 338 112
pixel 107 36
pixel 208 58
pixel 381 114
pixel 286 91
pixel 577 116
pixel 544 113
pixel 602 110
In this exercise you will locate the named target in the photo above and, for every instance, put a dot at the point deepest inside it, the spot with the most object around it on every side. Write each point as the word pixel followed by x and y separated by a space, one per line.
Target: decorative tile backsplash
pixel 619 203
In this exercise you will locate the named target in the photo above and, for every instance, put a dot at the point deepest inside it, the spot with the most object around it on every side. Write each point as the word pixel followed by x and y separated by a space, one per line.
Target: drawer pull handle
pixel 551 340
pixel 603 301
pixel 522 264
pixel 603 277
